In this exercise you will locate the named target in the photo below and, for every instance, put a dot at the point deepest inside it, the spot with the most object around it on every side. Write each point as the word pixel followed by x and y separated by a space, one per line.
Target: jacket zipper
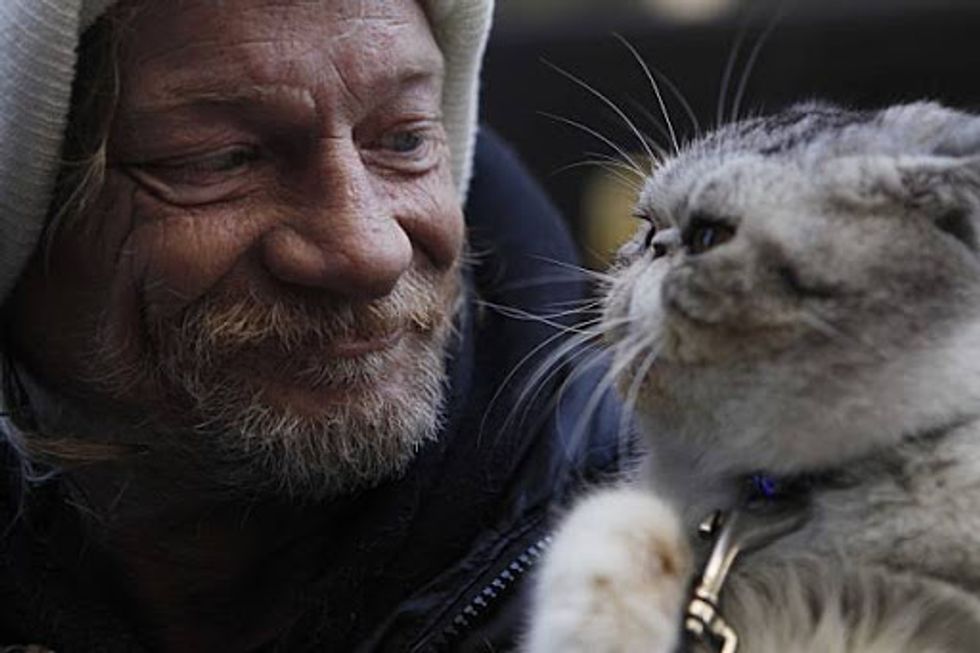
pixel 467 618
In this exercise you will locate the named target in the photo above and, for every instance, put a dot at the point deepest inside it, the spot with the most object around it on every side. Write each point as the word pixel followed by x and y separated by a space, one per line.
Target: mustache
pixel 212 325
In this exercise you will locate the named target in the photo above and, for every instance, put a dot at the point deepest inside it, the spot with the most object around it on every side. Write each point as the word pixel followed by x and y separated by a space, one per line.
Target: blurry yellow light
pixel 606 220
pixel 689 10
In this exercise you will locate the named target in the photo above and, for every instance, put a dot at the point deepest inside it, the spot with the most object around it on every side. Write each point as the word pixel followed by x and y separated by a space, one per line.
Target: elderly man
pixel 257 400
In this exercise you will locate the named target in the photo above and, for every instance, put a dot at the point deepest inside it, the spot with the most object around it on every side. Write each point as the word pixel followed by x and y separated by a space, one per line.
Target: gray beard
pixel 267 450
pixel 214 430
pixel 237 445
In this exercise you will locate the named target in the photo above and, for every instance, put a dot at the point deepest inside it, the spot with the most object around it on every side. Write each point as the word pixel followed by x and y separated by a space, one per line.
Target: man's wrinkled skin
pixel 279 216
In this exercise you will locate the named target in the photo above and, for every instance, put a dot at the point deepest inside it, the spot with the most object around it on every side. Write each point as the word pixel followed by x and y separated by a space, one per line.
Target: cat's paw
pixel 614 580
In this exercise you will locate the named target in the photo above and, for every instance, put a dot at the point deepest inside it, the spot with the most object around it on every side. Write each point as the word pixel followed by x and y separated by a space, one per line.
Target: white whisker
pixel 595 275
pixel 654 121
pixel 548 319
pixel 691 116
pixel 750 63
pixel 553 359
pixel 726 77
pixel 612 105
pixel 550 367
pixel 626 353
pixel 626 182
pixel 599 136
pixel 521 314
pixel 564 357
pixel 611 160
pixel 631 398
pixel 656 90
pixel 547 281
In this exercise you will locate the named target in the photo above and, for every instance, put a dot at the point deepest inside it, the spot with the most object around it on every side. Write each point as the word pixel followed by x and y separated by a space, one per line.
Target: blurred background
pixel 861 53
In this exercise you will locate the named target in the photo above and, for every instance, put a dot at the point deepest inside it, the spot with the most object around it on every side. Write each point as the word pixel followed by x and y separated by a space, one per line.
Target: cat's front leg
pixel 614 580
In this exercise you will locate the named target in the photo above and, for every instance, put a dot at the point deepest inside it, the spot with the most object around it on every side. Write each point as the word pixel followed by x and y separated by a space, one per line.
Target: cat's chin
pixel 789 419
pixel 778 410
pixel 750 439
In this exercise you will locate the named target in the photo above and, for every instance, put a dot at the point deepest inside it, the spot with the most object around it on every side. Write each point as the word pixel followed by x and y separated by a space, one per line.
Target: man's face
pixel 272 267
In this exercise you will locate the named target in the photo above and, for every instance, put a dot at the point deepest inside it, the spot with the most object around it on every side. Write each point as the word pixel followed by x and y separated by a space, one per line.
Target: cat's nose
pixel 665 241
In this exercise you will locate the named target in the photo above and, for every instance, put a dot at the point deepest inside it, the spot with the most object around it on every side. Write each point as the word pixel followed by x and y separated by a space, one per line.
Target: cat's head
pixel 806 286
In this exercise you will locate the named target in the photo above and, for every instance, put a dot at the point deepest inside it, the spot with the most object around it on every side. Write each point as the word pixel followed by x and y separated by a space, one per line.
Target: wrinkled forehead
pixel 335 19
pixel 172 45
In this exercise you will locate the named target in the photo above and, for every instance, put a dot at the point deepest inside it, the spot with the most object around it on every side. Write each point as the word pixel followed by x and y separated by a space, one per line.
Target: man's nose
pixel 342 237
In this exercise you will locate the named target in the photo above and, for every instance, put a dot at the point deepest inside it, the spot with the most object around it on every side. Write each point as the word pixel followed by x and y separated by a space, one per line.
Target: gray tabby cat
pixel 799 324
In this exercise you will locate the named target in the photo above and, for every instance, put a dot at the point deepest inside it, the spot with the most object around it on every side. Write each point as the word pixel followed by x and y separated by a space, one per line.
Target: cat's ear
pixel 930 128
pixel 961 140
pixel 947 188
pixel 946 183
pixel 937 180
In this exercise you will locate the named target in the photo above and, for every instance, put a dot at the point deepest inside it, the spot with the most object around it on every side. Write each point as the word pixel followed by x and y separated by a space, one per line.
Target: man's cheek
pixel 84 251
pixel 429 211
pixel 184 254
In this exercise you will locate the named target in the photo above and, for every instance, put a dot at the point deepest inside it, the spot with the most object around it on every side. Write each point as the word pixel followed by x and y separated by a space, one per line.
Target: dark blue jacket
pixel 438 560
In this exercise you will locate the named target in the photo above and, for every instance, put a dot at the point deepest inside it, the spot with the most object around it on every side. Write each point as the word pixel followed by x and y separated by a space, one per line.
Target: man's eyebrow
pixel 180 96
pixel 190 94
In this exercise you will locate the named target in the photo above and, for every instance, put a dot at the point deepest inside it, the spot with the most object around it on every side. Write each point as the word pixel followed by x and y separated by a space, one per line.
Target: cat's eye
pixel 651 233
pixel 959 225
pixel 705 233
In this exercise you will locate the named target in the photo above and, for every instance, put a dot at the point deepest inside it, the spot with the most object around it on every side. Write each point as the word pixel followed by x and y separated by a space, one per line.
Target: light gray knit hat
pixel 38 41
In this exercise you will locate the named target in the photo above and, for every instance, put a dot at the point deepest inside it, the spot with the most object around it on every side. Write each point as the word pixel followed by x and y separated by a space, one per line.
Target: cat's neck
pixel 697 487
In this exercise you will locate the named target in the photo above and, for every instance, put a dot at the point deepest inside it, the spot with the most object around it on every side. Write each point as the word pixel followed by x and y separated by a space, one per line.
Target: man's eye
pixel 224 162
pixel 404 142
pixel 409 149
pixel 201 178
pixel 204 169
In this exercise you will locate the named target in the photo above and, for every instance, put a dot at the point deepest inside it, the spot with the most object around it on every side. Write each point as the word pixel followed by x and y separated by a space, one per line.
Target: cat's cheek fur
pixel 614 580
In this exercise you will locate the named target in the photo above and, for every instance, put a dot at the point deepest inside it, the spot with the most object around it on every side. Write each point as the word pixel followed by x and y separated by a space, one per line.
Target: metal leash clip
pixel 735 532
